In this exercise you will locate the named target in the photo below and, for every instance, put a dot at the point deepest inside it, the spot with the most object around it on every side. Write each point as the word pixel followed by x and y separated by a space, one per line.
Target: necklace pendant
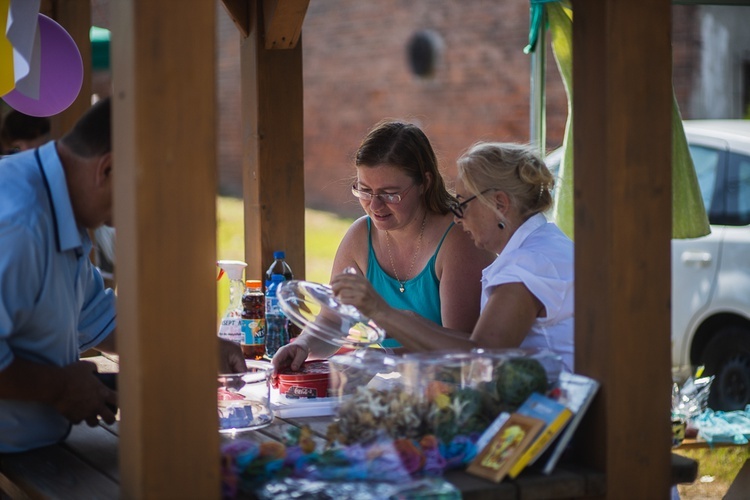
pixel 401 288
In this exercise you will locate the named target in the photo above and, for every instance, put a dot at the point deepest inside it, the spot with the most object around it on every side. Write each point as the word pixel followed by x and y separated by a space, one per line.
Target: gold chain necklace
pixel 413 259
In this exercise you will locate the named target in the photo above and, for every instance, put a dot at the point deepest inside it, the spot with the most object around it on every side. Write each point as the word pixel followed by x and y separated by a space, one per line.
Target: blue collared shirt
pixel 53 303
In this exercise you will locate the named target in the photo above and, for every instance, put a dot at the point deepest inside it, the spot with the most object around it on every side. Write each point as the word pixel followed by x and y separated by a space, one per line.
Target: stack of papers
pixel 297 407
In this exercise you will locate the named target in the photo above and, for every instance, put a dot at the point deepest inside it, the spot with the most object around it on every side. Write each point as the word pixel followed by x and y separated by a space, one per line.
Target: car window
pixel 706 161
pixel 738 190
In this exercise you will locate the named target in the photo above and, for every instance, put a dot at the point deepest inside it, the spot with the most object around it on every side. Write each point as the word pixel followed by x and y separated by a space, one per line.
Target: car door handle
pixel 697 259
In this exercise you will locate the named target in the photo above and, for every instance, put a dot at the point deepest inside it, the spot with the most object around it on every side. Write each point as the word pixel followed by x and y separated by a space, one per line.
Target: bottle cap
pixel 233 268
pixel 279 254
pixel 253 283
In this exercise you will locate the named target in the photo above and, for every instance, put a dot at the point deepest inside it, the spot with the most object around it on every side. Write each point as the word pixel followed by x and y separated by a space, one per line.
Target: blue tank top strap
pixel 434 256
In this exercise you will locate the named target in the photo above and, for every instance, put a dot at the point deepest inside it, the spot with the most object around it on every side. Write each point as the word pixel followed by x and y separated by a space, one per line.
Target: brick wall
pixel 356 72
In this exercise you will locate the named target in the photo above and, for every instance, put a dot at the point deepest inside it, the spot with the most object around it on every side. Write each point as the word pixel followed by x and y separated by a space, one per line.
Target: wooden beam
pixel 239 12
pixel 282 22
pixel 75 17
pixel 272 159
pixel 165 213
pixel 622 146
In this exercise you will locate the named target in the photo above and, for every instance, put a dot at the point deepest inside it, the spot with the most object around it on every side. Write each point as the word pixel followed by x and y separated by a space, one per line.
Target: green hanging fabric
pixel 535 23
pixel 689 218
pixel 560 19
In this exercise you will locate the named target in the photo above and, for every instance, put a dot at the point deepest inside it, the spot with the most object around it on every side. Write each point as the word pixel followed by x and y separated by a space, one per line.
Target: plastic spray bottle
pixel 231 322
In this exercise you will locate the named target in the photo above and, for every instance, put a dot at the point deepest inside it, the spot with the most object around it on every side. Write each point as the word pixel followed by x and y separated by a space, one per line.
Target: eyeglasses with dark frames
pixel 389 198
pixel 458 208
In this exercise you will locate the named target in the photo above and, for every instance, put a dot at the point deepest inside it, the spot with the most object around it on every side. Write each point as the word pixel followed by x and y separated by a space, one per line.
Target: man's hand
pixel 231 359
pixel 83 396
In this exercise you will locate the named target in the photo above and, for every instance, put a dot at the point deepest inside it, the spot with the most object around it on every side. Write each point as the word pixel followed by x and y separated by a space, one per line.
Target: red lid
pixel 310 370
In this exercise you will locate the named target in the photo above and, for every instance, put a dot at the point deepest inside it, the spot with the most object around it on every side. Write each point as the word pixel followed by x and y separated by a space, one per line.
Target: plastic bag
pixel 691 399
pixel 724 427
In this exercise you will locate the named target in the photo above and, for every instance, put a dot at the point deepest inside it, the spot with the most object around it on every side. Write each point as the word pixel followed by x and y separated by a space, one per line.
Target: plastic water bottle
pixel 277 333
pixel 279 266
pixel 253 320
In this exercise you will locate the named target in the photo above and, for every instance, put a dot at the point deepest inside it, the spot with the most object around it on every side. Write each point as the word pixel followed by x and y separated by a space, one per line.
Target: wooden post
pixel 165 215
pixel 272 150
pixel 622 147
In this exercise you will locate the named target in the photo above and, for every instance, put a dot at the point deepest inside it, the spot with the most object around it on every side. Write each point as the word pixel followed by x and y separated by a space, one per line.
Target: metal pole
pixel 538 118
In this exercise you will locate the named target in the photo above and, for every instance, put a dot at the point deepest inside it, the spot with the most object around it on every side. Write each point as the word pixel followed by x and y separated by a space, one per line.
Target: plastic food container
pixel 314 308
pixel 467 390
pixel 244 401
pixel 309 382
pixel 375 397
pixel 448 393
pixel 363 368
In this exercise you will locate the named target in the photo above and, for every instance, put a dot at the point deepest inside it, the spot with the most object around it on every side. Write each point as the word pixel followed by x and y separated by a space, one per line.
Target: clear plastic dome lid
pixel 314 308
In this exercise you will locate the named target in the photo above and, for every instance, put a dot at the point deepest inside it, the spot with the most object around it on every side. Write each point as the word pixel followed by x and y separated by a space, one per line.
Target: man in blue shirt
pixel 53 302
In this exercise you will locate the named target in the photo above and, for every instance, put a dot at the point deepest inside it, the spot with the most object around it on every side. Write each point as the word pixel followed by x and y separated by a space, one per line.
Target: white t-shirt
pixel 540 256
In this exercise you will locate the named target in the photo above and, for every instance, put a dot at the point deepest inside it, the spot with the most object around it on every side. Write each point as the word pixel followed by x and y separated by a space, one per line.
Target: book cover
pixel 576 392
pixel 495 459
pixel 554 414
pixel 490 431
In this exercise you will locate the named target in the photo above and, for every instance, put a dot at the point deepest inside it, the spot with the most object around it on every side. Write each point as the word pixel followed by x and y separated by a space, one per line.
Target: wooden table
pixel 691 444
pixel 85 465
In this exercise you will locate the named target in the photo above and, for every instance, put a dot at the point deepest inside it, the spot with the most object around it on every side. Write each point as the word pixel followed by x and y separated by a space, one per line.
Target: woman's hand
pixel 290 356
pixel 355 290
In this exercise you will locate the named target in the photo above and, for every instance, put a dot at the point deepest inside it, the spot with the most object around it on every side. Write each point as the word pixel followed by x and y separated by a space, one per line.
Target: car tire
pixel 727 357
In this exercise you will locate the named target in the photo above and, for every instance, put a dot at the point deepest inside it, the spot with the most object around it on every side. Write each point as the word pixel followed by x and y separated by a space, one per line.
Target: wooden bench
pixel 84 466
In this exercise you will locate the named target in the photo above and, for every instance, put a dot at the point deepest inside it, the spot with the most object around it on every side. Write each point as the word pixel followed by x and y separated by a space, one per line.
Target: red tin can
pixel 310 381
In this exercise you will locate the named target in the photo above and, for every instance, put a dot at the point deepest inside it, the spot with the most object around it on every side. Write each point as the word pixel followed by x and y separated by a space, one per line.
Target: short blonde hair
pixel 515 169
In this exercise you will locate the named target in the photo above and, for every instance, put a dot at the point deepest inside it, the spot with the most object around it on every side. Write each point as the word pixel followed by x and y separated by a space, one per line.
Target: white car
pixel 711 274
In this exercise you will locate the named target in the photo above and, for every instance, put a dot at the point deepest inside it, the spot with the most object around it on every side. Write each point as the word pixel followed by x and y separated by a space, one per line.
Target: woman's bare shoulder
pixel 459 246
pixel 353 249
pixel 357 233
